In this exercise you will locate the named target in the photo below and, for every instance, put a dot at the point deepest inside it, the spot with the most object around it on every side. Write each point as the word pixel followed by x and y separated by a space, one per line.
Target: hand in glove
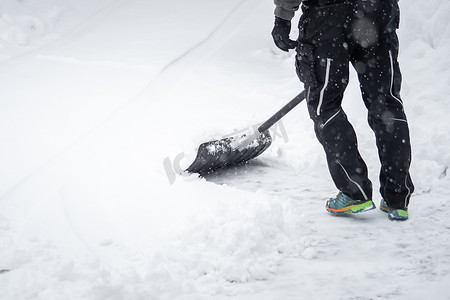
pixel 280 34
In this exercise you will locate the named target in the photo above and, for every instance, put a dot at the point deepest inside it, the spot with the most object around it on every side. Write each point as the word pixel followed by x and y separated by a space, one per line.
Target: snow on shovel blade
pixel 229 151
pixel 241 147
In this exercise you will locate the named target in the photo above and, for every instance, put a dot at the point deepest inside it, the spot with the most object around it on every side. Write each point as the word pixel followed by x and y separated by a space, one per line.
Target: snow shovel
pixel 239 148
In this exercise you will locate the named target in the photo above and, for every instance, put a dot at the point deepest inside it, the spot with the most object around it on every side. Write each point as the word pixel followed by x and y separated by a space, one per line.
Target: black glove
pixel 280 34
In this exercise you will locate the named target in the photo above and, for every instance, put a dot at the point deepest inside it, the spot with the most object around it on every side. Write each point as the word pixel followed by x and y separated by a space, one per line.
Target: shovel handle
pixel 282 112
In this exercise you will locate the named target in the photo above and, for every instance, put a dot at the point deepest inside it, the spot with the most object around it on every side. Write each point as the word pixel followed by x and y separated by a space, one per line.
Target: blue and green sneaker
pixel 383 206
pixel 393 213
pixel 342 204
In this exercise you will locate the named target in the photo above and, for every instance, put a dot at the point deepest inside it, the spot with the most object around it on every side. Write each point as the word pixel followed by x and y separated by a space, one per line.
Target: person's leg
pixel 380 81
pixel 322 64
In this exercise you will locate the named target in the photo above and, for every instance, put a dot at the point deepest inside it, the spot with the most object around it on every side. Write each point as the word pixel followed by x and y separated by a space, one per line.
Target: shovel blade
pixel 227 152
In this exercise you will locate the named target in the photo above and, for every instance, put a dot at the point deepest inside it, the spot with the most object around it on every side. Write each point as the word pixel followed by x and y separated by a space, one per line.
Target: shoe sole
pixel 352 209
pixel 384 208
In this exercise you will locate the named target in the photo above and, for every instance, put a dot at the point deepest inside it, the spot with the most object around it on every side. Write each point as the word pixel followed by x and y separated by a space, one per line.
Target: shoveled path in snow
pixel 362 256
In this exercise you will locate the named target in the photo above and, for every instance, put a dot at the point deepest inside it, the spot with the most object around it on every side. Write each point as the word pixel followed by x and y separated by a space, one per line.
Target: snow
pixel 103 101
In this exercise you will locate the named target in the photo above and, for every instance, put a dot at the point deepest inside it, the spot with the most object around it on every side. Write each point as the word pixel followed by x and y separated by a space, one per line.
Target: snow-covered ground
pixel 99 100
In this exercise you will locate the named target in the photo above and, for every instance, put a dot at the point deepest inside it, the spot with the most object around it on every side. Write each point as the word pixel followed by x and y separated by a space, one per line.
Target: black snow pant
pixel 332 34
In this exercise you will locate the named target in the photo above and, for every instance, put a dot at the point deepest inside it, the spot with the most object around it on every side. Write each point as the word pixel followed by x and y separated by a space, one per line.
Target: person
pixel 333 33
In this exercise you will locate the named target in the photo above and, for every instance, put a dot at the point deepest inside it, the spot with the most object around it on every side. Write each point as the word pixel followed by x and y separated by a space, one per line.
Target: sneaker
pixel 342 204
pixel 383 206
pixel 394 214
pixel 398 214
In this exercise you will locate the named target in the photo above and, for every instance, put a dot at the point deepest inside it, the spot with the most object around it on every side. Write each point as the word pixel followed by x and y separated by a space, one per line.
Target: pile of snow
pixel 27 24
pixel 425 42
pixel 21 22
